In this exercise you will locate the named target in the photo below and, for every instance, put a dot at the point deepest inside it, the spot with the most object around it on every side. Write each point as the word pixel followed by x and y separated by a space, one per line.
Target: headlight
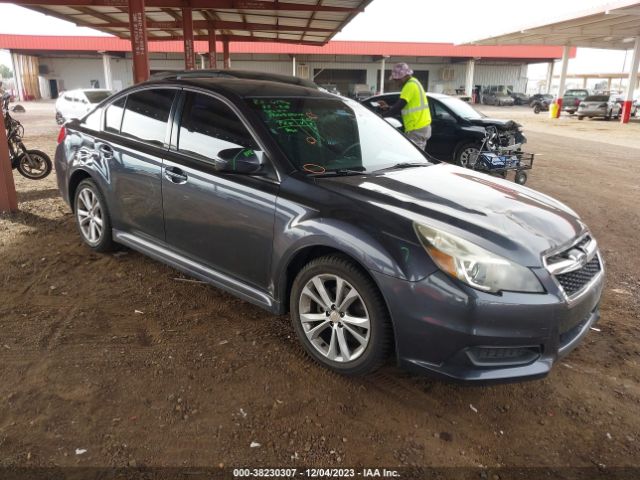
pixel 474 265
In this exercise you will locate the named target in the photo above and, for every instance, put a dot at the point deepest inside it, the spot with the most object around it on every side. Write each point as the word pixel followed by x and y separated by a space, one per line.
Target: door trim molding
pixel 195 269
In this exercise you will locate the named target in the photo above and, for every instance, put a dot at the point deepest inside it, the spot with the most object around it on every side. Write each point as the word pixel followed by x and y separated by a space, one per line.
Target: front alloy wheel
pixel 339 316
pixel 334 318
pixel 468 155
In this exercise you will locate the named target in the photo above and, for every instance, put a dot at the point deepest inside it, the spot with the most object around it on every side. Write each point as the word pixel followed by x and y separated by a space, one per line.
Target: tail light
pixel 62 135
pixel 577 102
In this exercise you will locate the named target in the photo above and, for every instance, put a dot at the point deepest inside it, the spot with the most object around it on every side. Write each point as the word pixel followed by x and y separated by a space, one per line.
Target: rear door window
pixel 113 116
pixel 209 126
pixel 146 115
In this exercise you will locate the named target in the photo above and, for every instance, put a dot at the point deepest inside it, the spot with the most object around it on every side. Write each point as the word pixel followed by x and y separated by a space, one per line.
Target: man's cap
pixel 400 70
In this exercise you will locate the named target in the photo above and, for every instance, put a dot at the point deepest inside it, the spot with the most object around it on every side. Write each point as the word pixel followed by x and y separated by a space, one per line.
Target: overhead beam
pixel 239 38
pixel 220 25
pixel 199 4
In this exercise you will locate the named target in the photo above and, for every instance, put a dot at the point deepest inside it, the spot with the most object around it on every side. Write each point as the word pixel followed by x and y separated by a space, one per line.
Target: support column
pixel 106 66
pixel 213 48
pixel 550 66
pixel 187 34
pixel 293 66
pixel 468 84
pixel 225 54
pixel 563 78
pixel 609 84
pixel 8 198
pixel 139 47
pixel 383 62
pixel 633 80
pixel 584 82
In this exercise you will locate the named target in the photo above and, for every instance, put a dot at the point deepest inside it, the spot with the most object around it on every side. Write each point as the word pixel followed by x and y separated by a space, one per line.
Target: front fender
pixel 298 228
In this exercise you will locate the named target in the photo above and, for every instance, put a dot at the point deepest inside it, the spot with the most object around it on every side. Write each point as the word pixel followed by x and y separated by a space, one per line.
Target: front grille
pixel 573 282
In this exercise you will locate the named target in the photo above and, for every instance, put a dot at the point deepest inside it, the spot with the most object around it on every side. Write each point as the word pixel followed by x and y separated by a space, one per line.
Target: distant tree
pixel 5 72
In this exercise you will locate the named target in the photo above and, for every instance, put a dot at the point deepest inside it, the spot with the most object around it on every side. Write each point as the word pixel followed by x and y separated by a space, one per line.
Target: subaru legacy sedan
pixel 303 202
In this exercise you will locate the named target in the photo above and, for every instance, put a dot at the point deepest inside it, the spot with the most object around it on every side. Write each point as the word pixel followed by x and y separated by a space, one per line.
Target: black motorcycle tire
pixel 34 153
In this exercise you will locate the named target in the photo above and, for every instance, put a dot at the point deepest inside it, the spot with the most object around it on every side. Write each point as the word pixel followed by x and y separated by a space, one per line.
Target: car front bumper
pixel 449 330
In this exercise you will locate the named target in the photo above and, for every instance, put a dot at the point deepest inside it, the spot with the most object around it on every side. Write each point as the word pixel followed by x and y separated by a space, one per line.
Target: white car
pixel 76 103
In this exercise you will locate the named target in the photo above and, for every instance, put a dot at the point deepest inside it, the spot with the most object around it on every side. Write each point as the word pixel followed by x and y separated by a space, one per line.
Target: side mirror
pixel 240 160
pixel 394 122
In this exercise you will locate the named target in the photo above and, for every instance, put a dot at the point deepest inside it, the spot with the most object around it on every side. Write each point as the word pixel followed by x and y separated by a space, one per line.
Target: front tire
pixel 467 154
pixel 340 316
pixel 34 165
pixel 92 217
pixel 536 109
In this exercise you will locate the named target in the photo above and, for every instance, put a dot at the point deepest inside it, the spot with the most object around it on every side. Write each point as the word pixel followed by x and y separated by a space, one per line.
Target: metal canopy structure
pixel 614 26
pixel 610 27
pixel 310 22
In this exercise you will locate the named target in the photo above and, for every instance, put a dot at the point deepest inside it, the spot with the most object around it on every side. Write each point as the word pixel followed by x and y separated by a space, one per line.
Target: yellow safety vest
pixel 416 113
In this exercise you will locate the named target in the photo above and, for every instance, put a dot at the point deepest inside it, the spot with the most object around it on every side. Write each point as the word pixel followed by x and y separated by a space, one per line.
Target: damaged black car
pixel 458 129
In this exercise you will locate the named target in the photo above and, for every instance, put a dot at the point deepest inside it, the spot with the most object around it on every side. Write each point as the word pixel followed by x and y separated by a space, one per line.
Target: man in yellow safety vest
pixel 413 105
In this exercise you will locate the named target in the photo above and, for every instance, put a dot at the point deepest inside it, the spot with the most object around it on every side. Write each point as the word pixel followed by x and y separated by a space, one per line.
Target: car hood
pixel 501 124
pixel 508 219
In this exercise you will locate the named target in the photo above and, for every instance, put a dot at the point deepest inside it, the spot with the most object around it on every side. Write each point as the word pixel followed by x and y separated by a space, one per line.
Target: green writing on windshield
pixel 280 117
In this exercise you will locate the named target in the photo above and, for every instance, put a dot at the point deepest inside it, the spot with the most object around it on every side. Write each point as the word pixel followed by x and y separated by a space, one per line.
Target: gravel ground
pixel 113 355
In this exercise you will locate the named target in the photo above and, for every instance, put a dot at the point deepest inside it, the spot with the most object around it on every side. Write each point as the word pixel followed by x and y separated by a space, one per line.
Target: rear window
pixel 97 97
pixel 146 115
pixel 597 98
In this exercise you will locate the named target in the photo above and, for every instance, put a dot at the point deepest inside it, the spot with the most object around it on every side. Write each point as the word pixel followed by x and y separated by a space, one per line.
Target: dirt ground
pixel 112 355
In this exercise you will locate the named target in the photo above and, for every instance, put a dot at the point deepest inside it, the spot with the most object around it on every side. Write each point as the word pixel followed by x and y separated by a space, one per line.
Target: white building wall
pixel 444 76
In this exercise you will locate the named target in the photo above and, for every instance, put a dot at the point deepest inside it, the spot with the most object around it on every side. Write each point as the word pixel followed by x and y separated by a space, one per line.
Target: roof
pixel 613 26
pixel 305 21
pixel 243 87
pixel 395 49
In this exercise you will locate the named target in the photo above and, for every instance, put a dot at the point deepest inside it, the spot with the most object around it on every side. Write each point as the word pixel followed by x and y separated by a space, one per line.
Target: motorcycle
pixel 32 164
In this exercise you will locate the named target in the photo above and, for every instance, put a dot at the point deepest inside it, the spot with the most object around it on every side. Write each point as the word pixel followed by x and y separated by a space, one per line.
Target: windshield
pixel 324 134
pixel 576 93
pixel 460 108
pixel 97 97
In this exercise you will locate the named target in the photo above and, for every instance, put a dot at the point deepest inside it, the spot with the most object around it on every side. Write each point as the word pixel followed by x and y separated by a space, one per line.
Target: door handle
pixel 175 175
pixel 106 151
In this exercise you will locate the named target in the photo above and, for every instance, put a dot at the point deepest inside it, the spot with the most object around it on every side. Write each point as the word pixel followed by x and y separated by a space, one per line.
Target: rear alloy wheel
pixel 467 155
pixel 339 316
pixel 92 217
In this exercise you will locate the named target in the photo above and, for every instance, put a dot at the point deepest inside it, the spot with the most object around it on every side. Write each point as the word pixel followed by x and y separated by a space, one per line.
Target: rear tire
pixel 580 117
pixel 36 166
pixel 340 317
pixel 92 217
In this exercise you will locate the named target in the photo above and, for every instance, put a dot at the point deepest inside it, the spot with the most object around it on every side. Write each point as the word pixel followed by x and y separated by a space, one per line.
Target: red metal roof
pixel 335 47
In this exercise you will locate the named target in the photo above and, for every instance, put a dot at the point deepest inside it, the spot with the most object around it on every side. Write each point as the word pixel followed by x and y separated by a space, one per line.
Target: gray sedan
pixel 599 106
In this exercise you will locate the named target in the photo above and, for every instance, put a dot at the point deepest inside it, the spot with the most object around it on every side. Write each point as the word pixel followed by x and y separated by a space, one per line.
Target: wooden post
pixel 213 49
pixel 187 33
pixel 139 46
pixel 8 198
pixel 226 55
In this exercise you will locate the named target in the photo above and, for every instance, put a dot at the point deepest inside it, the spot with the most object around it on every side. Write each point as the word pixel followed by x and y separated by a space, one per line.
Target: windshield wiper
pixel 405 165
pixel 338 171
